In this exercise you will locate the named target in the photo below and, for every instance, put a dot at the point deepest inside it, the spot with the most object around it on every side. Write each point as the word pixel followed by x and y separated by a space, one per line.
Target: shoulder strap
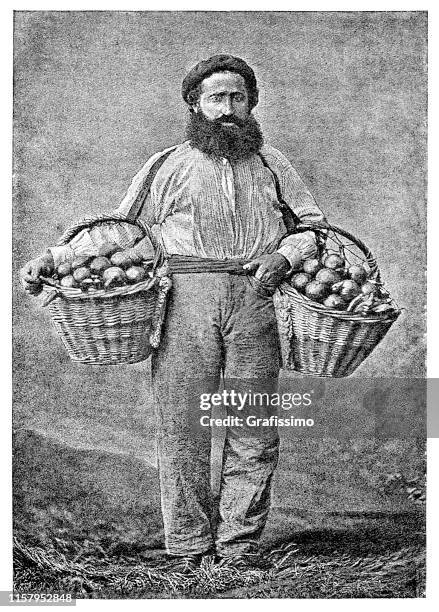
pixel 290 219
pixel 137 205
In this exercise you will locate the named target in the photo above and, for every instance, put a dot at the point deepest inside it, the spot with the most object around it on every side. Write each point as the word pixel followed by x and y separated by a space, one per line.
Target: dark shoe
pixel 242 562
pixel 185 564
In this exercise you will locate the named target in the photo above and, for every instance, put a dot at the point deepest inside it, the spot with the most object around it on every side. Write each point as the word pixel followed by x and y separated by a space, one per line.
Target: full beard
pixel 234 142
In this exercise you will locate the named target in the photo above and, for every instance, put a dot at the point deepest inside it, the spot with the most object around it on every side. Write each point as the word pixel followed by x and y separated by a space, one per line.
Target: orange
pixel 311 266
pixel 135 274
pixel 113 277
pixel 99 264
pixel 81 274
pixel 328 276
pixel 68 281
pixel 335 301
pixel 349 289
pixel 358 274
pixel 368 288
pixel 64 269
pixel 333 261
pixel 121 259
pixel 317 291
pixel 300 280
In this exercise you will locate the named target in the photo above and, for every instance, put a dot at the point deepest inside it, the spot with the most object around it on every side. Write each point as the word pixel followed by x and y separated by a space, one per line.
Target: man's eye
pixel 216 98
pixel 239 98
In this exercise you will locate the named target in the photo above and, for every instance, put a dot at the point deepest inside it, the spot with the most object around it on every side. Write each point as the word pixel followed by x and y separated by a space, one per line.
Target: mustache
pixel 228 119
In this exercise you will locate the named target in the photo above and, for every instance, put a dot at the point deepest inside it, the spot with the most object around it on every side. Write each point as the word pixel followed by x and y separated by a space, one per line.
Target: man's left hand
pixel 270 269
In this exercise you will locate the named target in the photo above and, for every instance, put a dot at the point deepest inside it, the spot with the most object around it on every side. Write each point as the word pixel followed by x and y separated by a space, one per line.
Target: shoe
pixel 242 561
pixel 184 564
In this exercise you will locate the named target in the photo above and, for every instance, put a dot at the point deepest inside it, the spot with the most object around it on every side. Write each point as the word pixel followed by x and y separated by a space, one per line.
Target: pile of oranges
pixel 336 284
pixel 111 267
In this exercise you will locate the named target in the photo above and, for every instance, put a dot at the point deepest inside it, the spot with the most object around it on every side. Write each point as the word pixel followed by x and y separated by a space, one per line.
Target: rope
pixel 179 264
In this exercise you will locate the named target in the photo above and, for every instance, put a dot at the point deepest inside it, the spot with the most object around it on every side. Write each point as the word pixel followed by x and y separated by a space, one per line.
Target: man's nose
pixel 227 106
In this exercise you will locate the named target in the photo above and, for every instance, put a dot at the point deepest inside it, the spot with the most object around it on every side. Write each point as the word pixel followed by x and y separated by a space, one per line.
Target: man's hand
pixel 269 269
pixel 31 272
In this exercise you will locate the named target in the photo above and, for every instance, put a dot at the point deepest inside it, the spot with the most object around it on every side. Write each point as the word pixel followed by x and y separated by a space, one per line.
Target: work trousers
pixel 216 324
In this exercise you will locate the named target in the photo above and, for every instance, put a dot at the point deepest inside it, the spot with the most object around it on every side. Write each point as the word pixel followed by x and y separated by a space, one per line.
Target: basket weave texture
pixel 106 327
pixel 319 341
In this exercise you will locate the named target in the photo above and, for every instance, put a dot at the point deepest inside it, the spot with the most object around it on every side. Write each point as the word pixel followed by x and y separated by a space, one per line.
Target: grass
pixel 89 523
pixel 293 573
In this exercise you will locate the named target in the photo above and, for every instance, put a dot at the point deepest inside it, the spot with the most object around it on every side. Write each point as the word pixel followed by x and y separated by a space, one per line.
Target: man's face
pixel 223 94
pixel 221 125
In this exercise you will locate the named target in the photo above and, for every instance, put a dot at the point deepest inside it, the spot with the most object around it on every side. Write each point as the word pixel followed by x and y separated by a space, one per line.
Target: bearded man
pixel 219 203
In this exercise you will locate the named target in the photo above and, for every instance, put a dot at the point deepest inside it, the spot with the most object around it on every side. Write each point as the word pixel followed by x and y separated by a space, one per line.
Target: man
pixel 216 198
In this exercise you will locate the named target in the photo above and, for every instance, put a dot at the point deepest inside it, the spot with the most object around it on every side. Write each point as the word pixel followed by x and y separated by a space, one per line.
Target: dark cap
pixel 220 63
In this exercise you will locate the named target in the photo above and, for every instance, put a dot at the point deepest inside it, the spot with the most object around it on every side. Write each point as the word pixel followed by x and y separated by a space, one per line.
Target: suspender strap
pixel 137 205
pixel 290 219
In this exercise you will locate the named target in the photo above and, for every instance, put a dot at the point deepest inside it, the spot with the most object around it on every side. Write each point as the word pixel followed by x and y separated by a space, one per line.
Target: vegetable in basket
pixel 331 320
pixel 339 285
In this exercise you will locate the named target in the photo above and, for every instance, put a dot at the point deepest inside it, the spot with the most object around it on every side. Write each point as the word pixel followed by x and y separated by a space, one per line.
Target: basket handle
pixel 91 221
pixel 322 229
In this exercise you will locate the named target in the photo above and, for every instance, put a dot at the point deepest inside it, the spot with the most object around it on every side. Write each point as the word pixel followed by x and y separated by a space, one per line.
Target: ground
pixel 88 522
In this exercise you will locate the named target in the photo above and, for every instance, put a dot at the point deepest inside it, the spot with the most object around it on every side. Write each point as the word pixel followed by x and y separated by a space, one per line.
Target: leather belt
pixel 186 264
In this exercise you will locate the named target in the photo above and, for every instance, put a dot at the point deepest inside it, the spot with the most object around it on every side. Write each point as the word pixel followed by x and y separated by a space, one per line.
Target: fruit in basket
pixel 108 249
pixel 383 308
pixel 135 274
pixel 80 274
pixel 81 261
pixel 330 277
pixel 333 261
pixel 311 266
pixel 368 287
pixel 335 301
pixel 91 273
pixel 114 277
pixel 300 281
pixel 68 281
pixel 64 269
pixel 317 291
pixel 87 283
pixel 357 273
pixel 121 260
pixel 348 289
pixel 99 264
pixel 135 256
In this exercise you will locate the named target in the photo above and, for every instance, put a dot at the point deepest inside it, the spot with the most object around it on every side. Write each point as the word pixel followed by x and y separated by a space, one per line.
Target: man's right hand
pixel 31 272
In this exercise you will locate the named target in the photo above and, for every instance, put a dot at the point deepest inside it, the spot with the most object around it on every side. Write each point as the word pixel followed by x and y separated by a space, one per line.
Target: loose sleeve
pixel 81 244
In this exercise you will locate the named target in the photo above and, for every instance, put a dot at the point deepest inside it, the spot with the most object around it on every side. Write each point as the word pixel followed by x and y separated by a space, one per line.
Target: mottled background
pixel 343 95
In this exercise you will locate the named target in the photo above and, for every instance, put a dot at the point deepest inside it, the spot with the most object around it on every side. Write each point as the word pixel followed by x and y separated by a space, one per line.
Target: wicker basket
pixel 112 327
pixel 319 341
